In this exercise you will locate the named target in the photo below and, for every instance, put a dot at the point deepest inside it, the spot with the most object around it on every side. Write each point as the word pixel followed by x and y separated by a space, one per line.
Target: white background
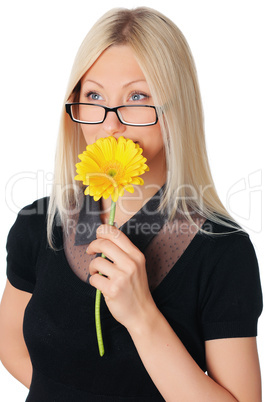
pixel 228 39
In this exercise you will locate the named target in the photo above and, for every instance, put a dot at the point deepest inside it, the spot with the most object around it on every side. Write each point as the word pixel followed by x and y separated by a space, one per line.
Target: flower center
pixel 112 172
pixel 113 169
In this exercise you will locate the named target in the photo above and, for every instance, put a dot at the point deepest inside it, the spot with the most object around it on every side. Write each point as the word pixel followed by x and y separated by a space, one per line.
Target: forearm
pixel 170 366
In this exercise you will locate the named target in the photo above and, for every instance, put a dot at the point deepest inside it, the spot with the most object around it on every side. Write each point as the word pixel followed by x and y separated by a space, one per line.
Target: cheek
pixel 153 142
pixel 88 133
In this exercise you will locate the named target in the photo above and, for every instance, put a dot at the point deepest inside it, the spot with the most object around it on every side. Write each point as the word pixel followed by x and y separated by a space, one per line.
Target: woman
pixel 181 283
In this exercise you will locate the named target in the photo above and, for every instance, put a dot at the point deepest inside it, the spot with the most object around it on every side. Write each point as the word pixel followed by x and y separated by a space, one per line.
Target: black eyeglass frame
pixel 110 109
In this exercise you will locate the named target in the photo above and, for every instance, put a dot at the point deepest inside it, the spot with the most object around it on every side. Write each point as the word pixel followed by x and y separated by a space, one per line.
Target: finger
pixel 100 282
pixel 102 265
pixel 117 237
pixel 120 259
pixel 105 246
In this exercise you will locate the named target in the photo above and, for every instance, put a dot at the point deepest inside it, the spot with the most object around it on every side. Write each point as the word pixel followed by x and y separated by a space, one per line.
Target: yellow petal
pixel 87 191
pixel 137 180
pixel 129 188
pixel 122 157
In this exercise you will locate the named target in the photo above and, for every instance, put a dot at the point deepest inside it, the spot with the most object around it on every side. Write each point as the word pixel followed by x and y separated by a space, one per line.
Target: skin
pixel 233 366
pixel 117 79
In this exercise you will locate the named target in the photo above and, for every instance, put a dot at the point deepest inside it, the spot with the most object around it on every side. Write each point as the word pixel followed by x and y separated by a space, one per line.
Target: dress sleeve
pixel 233 298
pixel 23 244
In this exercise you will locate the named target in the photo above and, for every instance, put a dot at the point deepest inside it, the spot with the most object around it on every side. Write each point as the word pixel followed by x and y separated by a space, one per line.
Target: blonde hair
pixel 167 63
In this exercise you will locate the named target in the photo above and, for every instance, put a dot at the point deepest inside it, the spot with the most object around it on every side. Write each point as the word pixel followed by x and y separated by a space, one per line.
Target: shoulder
pixel 24 243
pixel 38 208
pixel 30 222
pixel 231 295
pixel 220 239
pixel 36 211
pixel 229 256
pixel 230 260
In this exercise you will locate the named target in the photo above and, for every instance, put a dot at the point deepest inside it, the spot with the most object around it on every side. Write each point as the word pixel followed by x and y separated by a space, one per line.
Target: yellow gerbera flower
pixel 110 166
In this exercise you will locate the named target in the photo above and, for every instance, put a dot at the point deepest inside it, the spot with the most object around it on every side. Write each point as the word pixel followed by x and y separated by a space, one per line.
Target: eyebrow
pixel 133 82
pixel 124 86
pixel 95 82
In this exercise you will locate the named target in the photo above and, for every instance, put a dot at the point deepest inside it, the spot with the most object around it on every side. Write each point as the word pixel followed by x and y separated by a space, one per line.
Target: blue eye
pixel 93 96
pixel 138 96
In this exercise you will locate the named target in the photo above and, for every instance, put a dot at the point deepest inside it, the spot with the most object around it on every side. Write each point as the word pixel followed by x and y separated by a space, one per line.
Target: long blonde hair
pixel 166 60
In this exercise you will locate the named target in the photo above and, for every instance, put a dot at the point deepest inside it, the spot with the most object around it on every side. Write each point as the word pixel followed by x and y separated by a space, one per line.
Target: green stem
pixel 98 293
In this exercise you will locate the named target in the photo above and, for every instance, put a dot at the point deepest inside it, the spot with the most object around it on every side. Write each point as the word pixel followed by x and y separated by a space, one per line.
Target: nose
pixel 111 125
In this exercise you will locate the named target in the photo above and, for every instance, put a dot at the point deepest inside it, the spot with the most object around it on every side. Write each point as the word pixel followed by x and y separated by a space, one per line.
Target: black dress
pixel 207 289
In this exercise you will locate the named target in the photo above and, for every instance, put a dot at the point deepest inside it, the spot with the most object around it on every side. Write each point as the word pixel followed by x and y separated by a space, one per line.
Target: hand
pixel 125 284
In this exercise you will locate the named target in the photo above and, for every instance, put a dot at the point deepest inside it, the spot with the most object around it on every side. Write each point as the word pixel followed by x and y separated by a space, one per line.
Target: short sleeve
pixel 23 244
pixel 233 296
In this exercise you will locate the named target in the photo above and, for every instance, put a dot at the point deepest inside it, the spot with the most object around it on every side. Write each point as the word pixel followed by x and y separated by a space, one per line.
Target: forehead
pixel 117 62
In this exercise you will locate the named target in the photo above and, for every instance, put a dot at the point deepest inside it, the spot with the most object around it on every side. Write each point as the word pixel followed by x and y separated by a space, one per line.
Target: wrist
pixel 146 321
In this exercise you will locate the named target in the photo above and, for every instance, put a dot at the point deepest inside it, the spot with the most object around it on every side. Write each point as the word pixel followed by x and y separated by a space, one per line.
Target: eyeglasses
pixel 130 115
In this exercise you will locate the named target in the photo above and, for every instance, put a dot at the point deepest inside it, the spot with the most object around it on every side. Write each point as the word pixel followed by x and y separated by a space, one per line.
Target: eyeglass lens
pixel 131 115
